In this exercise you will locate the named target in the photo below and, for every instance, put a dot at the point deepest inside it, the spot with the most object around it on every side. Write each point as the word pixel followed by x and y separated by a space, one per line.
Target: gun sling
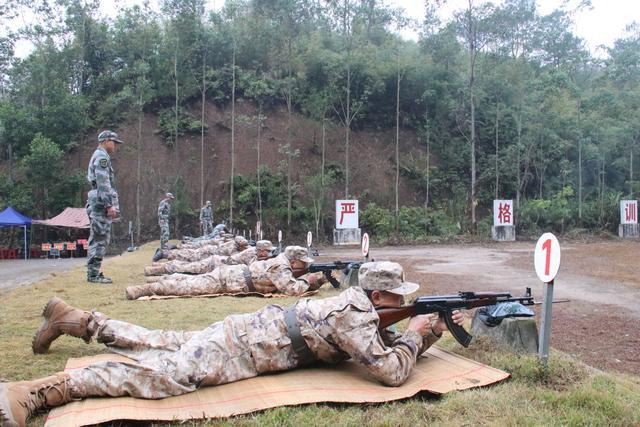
pixel 247 279
pixel 298 344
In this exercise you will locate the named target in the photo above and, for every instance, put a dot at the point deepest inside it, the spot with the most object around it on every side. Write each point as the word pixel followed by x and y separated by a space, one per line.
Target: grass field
pixel 566 393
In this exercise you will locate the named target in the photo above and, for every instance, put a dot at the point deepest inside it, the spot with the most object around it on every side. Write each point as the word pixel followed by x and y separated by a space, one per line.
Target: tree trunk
pixel 289 141
pixel 138 168
pixel 258 166
pixel 175 73
pixel 397 139
pixel 233 132
pixel 579 168
pixel 496 139
pixel 347 131
pixel 204 96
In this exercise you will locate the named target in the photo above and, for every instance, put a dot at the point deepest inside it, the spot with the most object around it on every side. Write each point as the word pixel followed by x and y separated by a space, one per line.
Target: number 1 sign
pixel 547 257
pixel 547 262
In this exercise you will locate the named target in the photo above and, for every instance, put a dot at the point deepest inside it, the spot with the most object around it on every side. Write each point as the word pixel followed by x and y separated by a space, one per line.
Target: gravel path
pixel 16 273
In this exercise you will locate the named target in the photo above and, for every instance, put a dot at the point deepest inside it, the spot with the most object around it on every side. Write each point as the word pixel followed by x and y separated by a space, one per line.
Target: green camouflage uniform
pixel 170 363
pixel 164 211
pixel 102 196
pixel 206 219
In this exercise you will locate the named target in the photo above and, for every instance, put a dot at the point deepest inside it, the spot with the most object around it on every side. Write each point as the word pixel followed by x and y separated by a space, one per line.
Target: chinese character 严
pixel 346 208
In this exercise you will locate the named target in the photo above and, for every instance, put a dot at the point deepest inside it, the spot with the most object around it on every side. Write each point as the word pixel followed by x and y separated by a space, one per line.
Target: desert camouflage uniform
pixel 206 219
pixel 200 253
pixel 269 276
pixel 164 212
pixel 207 265
pixel 217 231
pixel 102 195
pixel 170 363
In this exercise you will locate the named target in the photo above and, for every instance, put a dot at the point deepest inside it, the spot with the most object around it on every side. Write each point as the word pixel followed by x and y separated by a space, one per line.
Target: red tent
pixel 70 218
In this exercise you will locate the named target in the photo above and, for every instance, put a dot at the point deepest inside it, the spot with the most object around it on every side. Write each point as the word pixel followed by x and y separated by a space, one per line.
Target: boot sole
pixel 6 417
pixel 47 311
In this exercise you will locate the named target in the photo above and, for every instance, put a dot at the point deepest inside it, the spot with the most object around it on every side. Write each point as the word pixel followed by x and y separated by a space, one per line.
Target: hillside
pixel 372 157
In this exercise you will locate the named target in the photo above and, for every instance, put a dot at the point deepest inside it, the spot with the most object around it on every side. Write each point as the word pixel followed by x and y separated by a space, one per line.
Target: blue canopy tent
pixel 12 218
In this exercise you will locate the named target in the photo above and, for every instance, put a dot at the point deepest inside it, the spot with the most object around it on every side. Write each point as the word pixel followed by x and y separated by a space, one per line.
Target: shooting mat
pixel 437 372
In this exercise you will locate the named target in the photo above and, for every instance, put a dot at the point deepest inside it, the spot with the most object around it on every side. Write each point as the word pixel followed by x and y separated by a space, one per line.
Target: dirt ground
pixel 16 273
pixel 600 323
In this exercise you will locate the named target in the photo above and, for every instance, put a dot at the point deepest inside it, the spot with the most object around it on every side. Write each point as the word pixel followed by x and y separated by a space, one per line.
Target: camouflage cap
pixel 385 276
pixel 169 196
pixel 241 241
pixel 297 252
pixel 107 135
pixel 208 202
pixel 265 245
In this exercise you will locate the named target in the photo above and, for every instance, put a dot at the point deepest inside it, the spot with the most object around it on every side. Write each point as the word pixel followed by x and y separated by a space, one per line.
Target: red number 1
pixel 547 263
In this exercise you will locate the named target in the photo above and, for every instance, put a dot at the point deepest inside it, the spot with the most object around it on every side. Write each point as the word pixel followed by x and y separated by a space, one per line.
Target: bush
pixel 187 124
pixel 413 223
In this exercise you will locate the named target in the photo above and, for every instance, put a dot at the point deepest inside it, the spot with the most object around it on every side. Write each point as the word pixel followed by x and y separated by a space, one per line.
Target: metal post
pixel 545 324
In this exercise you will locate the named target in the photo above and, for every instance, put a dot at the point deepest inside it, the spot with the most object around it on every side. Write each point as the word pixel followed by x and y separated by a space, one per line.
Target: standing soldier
pixel 206 218
pixel 164 211
pixel 102 204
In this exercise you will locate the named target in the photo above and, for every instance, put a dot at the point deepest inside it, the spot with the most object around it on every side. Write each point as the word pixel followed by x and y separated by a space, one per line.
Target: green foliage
pixel 540 215
pixel 49 187
pixel 187 124
pixel 413 223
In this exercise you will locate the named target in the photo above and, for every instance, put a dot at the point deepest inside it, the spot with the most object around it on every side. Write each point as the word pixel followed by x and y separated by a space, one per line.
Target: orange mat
pixel 437 372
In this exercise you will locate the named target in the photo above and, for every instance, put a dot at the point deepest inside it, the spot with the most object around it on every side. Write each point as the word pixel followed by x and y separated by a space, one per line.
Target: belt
pixel 298 344
pixel 247 279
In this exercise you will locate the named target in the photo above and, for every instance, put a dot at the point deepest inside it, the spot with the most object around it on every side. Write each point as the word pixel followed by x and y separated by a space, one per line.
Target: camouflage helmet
pixel 241 241
pixel 297 253
pixel 265 245
pixel 385 276
pixel 107 135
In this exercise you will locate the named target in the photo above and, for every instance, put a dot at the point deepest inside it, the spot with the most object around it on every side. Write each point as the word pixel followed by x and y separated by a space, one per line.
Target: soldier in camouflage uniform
pixel 171 363
pixel 219 246
pixel 102 204
pixel 258 253
pixel 274 275
pixel 206 218
pixel 164 212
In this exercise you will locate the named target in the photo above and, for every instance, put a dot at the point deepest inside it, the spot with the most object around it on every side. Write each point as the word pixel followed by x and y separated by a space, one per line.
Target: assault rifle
pixel 444 305
pixel 326 269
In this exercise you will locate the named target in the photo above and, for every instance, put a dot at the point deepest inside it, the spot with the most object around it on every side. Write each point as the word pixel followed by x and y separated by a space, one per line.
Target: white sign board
pixel 346 214
pixel 365 244
pixel 503 212
pixel 309 238
pixel 628 212
pixel 547 257
pixel 258 228
pixel 279 235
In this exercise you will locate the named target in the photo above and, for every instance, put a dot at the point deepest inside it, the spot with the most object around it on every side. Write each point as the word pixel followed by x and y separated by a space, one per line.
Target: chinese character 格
pixel 504 213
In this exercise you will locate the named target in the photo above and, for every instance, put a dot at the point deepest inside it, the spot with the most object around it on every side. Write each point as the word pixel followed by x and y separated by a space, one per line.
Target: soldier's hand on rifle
pixel 421 323
pixel 315 281
pixel 440 326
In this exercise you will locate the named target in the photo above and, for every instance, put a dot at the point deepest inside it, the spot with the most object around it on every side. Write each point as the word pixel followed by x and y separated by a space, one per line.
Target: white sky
pixel 600 25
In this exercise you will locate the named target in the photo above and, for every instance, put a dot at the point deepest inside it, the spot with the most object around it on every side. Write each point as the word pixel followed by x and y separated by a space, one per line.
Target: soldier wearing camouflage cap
pixel 260 252
pixel 275 338
pixel 206 218
pixel 274 275
pixel 164 212
pixel 102 204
